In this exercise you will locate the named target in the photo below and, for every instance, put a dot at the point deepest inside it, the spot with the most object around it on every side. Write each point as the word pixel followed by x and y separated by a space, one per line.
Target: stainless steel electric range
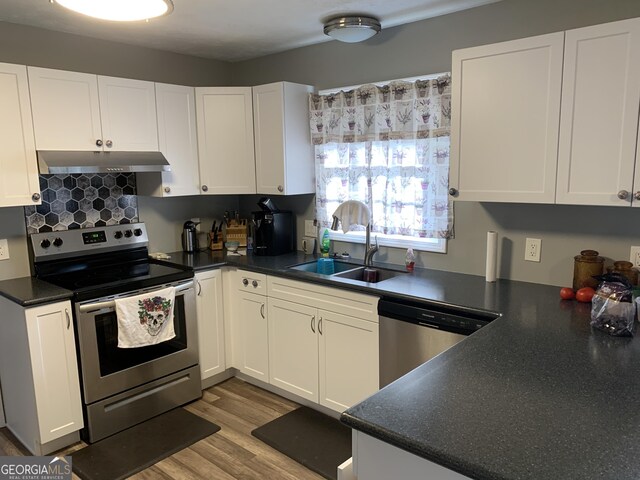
pixel 121 387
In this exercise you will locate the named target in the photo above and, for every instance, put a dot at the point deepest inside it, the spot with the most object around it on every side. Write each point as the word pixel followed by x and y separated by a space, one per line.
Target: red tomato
pixel 567 293
pixel 585 294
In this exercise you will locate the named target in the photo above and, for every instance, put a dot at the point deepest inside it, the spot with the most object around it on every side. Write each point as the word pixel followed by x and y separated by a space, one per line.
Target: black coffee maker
pixel 274 229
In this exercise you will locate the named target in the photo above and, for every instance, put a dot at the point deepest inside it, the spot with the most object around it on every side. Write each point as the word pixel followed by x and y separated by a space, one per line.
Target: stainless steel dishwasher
pixel 412 333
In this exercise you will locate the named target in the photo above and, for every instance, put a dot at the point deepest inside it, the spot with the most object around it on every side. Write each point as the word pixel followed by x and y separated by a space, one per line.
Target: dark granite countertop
pixel 29 291
pixel 536 394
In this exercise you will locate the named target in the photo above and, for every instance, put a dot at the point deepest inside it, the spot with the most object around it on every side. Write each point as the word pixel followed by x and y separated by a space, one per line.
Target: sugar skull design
pixel 153 312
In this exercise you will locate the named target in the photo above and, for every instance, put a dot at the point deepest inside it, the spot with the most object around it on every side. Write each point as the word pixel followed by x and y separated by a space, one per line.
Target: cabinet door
pixel 348 360
pixel 252 347
pixel 128 113
pixel 66 109
pixel 225 140
pixel 284 154
pixel 55 370
pixel 19 178
pixel 210 323
pixel 505 117
pixel 599 121
pixel 293 348
pixel 178 142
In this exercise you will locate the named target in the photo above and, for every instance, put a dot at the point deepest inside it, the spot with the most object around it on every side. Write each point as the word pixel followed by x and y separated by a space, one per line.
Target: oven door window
pixel 113 359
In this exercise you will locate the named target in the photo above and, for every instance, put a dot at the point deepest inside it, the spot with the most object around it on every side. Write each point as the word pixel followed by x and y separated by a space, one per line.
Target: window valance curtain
pixel 397 111
pixel 387 147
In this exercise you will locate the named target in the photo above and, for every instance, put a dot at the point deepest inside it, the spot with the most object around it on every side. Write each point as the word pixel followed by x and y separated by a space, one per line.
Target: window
pixel 388 147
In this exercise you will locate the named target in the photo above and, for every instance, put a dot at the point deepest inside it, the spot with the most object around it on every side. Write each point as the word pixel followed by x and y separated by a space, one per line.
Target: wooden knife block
pixel 236 231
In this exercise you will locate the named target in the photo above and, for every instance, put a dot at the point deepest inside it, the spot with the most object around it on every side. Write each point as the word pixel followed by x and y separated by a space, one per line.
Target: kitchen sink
pixel 346 270
pixel 357 274
pixel 312 267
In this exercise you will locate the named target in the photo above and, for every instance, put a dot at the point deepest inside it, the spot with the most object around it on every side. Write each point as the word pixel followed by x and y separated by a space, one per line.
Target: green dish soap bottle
pixel 325 245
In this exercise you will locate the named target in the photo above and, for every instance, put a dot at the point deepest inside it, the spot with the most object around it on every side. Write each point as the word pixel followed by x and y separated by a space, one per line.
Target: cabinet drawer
pixel 326 298
pixel 250 282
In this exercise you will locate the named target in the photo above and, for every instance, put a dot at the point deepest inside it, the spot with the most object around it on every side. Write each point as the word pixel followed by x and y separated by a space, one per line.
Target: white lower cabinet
pixel 293 348
pixel 316 353
pixel 210 323
pixel 39 375
pixel 348 359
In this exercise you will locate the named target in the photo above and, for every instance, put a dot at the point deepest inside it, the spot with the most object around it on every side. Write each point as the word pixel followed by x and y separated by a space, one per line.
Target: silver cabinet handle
pixel 255 284
pixel 313 324
pixel 453 192
pixel 199 287
pixel 109 143
pixel 245 282
pixel 98 143
pixel 35 197
pixel 320 326
pixel 637 195
pixel 623 194
pixel 280 188
pixel 167 190
pixel 262 310
pixel 66 312
pixel 204 188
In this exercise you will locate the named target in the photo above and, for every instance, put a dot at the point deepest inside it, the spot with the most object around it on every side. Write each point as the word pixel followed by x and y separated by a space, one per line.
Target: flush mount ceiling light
pixel 352 29
pixel 119 10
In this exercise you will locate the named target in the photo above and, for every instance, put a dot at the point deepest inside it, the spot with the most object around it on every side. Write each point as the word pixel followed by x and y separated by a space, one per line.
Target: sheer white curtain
pixel 389 148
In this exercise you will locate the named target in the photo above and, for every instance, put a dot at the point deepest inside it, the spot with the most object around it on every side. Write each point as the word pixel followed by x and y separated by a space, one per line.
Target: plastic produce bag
pixel 612 307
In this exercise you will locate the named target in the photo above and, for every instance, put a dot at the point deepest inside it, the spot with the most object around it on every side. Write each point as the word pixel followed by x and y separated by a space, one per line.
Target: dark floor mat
pixel 315 440
pixel 139 447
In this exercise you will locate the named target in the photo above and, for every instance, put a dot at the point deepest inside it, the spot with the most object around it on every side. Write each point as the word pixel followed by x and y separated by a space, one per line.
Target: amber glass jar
pixel 625 268
pixel 585 266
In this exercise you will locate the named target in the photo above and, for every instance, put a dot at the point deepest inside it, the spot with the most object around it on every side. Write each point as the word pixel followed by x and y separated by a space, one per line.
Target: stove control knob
pixel 57 242
pixel 128 233
pixel 137 232
pixel 45 243
pixel 118 235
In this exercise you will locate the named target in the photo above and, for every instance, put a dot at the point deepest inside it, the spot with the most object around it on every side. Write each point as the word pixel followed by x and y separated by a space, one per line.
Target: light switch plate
pixel 4 249
pixel 309 228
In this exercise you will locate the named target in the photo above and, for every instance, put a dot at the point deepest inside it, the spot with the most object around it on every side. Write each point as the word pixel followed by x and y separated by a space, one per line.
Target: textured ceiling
pixel 229 30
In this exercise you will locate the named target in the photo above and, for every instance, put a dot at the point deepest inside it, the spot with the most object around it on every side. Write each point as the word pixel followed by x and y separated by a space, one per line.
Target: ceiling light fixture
pixel 352 29
pixel 119 10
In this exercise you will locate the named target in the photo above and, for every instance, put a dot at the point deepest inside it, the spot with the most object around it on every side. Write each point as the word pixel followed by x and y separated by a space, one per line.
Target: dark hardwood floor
pixel 231 453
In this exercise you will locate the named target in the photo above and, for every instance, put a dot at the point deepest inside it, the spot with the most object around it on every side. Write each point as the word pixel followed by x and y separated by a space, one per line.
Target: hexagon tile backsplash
pixel 83 201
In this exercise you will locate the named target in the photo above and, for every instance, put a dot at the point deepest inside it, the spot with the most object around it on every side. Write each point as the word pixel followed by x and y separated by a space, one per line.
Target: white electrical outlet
pixel 532 249
pixel 309 228
pixel 4 249
pixel 634 257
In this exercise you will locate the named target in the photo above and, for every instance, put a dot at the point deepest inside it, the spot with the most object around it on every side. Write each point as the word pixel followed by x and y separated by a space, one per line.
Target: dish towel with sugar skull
pixel 146 319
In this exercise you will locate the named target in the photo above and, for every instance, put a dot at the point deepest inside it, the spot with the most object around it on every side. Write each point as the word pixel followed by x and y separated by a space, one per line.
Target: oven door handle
pixel 91 307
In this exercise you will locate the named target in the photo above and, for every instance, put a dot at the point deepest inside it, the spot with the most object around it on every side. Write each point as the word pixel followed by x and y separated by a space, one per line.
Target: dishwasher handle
pixel 448 320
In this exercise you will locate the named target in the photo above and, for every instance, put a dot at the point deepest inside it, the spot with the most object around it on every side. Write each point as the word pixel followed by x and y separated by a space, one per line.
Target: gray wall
pixel 414 49
pixel 425 47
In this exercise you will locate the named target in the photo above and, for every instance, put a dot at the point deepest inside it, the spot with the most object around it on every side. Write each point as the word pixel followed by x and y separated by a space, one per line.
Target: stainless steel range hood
pixel 50 161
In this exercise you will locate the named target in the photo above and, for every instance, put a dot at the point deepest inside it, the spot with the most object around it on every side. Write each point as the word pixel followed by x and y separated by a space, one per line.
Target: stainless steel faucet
pixel 369 251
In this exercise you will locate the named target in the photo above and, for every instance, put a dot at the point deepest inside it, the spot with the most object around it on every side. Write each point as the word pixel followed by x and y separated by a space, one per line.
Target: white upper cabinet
pixel 19 178
pixel 177 139
pixel 505 118
pixel 225 140
pixel 284 154
pixel 599 120
pixel 79 111
pixel 128 113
